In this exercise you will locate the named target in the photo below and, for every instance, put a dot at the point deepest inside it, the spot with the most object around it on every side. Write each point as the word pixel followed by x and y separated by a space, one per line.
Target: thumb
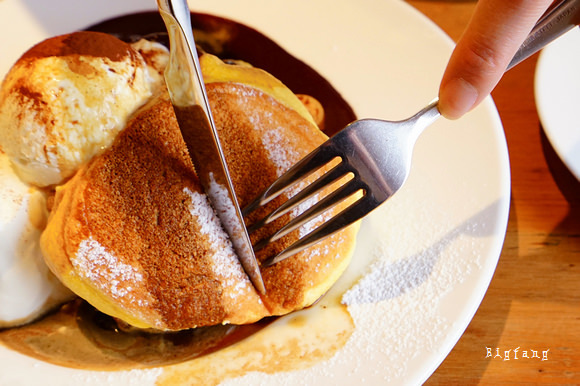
pixel 482 54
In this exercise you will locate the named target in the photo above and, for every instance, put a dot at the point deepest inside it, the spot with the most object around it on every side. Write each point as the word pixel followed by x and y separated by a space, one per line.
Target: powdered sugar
pixel 412 270
pixel 280 152
pixel 226 264
pixel 228 216
pixel 244 91
pixel 105 270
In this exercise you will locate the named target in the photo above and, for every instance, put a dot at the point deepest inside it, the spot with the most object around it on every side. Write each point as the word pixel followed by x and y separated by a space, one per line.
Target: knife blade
pixel 188 95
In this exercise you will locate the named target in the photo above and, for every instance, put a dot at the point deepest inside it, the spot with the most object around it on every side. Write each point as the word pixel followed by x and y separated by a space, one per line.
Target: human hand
pixel 494 34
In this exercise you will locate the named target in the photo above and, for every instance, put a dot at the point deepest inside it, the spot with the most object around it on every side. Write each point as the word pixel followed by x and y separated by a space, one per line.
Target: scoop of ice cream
pixel 66 99
pixel 156 56
pixel 27 287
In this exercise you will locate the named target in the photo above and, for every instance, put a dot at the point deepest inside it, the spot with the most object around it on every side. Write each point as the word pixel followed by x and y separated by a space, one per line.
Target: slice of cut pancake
pixel 133 234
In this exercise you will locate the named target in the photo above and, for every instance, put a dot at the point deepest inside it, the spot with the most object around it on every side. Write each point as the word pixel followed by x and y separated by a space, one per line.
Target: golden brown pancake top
pixel 135 200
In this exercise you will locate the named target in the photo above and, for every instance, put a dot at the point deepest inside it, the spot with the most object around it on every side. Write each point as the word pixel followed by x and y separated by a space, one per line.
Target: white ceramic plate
pixel 557 92
pixel 423 261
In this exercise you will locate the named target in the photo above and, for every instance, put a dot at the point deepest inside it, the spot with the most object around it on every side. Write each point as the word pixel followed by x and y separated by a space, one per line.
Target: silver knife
pixel 189 98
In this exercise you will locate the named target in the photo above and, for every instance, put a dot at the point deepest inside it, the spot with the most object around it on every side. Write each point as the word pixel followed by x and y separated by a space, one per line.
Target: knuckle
pixel 481 57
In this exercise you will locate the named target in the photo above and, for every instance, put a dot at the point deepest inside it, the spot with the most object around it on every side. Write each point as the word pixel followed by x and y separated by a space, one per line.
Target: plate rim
pixel 543 75
pixel 503 210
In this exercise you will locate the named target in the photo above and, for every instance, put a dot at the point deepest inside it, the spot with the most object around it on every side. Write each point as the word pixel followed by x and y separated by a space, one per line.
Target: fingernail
pixel 457 97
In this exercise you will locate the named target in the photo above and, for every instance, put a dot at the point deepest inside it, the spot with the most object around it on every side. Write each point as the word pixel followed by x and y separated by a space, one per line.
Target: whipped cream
pixel 27 287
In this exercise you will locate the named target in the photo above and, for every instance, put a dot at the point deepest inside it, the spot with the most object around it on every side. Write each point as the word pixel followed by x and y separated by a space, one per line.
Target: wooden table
pixel 533 302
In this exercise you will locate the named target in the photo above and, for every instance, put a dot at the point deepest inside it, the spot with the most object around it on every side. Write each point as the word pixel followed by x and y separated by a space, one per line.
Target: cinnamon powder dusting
pixel 81 44
pixel 28 95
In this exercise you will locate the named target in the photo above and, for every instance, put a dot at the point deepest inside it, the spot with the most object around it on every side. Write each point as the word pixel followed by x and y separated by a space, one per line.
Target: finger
pixel 494 34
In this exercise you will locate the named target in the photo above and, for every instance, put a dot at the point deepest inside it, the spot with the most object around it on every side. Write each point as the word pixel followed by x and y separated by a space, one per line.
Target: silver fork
pixel 376 153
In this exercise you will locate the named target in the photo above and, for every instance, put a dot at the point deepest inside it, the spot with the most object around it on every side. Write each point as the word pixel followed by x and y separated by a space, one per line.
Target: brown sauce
pixel 78 336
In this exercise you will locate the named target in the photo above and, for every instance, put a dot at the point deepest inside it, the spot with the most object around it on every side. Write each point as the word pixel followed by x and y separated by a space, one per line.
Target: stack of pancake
pixel 132 232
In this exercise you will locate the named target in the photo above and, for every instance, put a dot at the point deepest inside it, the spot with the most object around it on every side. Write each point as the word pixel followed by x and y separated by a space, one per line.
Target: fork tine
pixel 321 206
pixel 346 217
pixel 302 169
pixel 323 181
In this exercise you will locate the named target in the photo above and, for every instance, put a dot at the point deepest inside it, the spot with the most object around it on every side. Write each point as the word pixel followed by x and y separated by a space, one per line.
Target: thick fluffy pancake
pixel 262 139
pixel 133 234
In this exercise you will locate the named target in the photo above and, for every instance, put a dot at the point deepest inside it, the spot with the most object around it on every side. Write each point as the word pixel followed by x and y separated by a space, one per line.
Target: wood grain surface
pixel 533 302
